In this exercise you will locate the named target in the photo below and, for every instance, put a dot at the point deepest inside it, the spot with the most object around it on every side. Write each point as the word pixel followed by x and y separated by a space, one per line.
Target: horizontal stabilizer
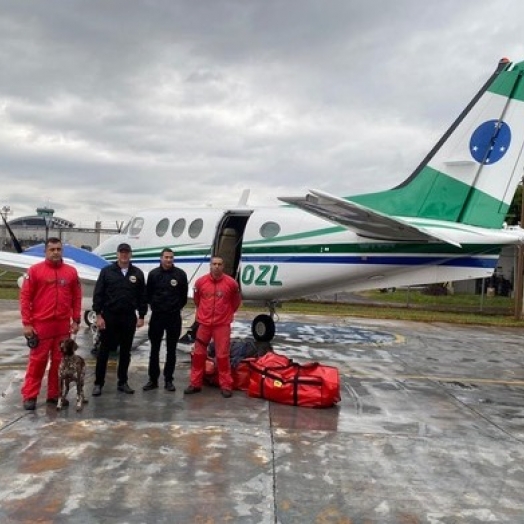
pixel 362 220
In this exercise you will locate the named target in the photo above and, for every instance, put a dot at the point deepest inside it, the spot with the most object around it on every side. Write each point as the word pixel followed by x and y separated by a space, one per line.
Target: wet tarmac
pixel 430 429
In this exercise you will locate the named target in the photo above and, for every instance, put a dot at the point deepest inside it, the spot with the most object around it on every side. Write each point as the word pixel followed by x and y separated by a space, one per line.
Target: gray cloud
pixel 112 106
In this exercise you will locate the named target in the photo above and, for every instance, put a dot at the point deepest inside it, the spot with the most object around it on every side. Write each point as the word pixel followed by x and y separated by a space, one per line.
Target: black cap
pixel 123 247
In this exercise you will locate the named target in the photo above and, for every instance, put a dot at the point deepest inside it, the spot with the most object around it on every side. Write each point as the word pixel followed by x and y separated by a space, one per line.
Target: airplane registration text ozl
pixel 262 275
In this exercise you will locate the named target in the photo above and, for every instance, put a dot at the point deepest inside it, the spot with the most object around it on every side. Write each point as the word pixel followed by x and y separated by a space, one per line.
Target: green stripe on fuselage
pixel 374 248
pixel 334 249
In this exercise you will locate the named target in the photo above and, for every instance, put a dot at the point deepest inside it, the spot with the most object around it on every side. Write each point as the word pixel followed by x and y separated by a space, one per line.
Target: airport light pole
pixel 47 220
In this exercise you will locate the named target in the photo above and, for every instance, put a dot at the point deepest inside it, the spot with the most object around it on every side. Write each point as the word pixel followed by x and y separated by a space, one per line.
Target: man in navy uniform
pixel 120 304
pixel 166 296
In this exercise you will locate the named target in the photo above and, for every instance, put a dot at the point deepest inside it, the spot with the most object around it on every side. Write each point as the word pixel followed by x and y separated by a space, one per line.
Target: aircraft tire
pixel 263 328
pixel 89 317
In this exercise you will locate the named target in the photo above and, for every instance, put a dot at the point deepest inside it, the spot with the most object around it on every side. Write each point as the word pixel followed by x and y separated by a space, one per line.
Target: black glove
pixel 32 341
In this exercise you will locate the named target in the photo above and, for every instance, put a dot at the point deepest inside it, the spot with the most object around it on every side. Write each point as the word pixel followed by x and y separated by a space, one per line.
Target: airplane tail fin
pixel 472 173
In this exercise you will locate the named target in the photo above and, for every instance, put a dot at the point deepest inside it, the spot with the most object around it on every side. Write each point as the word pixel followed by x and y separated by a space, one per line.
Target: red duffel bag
pixel 241 352
pixel 239 374
pixel 276 378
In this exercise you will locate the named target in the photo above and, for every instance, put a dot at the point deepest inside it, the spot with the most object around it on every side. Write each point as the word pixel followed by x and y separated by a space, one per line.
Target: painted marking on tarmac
pixel 314 334
pixel 323 334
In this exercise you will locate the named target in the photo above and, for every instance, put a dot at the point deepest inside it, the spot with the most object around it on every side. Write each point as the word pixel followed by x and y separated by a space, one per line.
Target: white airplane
pixel 443 223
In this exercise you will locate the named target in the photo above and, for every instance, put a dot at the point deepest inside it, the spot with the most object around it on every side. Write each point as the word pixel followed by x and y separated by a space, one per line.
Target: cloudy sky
pixel 111 106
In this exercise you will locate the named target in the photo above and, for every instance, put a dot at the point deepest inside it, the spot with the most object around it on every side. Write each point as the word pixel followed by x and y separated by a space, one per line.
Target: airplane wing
pixel 20 262
pixel 364 221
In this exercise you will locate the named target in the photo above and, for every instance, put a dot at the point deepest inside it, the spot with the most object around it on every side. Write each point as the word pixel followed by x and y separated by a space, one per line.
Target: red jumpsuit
pixel 50 297
pixel 216 301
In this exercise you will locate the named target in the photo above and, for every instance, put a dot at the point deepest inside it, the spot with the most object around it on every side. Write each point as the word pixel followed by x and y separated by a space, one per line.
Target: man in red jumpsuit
pixel 50 304
pixel 216 297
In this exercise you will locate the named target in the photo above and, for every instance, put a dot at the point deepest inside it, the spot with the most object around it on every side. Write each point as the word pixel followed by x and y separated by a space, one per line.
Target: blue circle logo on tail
pixel 490 141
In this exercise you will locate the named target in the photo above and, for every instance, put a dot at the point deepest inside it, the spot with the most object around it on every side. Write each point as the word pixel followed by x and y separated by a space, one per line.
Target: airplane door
pixel 228 240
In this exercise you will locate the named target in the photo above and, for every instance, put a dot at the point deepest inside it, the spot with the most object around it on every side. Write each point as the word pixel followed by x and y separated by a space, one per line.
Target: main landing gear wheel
pixel 90 317
pixel 263 328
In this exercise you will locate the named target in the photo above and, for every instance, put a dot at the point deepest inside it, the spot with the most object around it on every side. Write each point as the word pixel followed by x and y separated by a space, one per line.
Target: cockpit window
pixel 195 228
pixel 178 227
pixel 126 228
pixel 269 230
pixel 162 227
pixel 136 226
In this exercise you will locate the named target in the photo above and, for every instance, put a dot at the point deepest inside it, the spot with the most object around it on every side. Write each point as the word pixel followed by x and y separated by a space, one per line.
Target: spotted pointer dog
pixel 72 369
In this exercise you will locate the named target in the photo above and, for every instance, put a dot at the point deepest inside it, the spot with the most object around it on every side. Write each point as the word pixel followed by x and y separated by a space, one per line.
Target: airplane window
pixel 126 228
pixel 136 226
pixel 162 227
pixel 195 228
pixel 269 230
pixel 178 227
